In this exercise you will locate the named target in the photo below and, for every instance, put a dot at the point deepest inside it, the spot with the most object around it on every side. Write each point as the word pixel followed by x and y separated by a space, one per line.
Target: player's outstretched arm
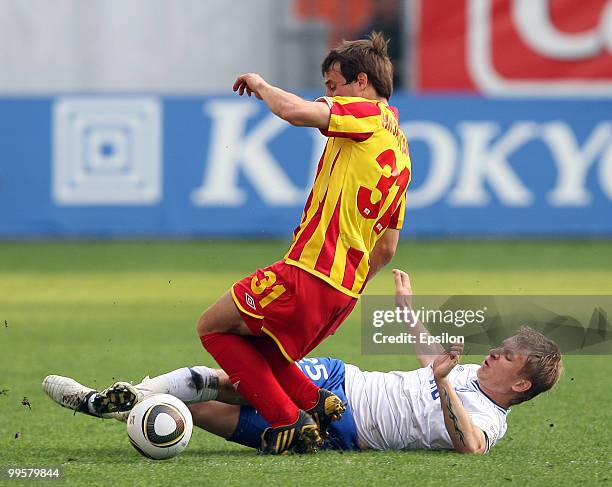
pixel 465 435
pixel 283 104
pixel 426 354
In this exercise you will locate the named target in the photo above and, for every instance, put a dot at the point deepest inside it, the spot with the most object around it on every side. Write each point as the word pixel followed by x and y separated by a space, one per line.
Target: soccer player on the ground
pixel 439 406
pixel 348 231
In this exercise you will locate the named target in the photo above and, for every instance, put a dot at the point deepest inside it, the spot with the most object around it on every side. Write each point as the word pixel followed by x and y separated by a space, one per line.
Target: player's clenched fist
pixel 445 362
pixel 249 82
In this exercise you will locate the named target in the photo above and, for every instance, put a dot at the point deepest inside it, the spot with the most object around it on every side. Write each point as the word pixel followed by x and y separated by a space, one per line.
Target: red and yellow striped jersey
pixel 359 191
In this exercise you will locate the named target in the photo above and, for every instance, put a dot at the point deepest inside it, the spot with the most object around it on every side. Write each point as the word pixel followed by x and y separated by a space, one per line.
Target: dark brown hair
pixel 367 56
pixel 543 366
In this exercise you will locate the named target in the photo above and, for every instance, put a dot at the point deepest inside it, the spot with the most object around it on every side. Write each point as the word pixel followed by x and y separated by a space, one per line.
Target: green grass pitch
pixel 99 311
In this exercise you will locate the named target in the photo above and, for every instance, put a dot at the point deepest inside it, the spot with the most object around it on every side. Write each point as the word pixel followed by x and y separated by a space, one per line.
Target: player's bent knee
pixel 213 323
pixel 204 326
pixel 222 317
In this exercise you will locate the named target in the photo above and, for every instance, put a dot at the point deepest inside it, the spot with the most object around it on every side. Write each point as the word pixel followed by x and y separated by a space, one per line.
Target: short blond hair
pixel 543 366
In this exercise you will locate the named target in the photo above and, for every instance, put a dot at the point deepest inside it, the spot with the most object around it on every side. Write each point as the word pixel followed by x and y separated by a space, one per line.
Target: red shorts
pixel 295 308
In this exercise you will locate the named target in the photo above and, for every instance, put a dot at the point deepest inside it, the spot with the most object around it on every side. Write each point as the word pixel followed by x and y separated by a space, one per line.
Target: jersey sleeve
pixel 488 421
pixel 353 118
pixel 490 428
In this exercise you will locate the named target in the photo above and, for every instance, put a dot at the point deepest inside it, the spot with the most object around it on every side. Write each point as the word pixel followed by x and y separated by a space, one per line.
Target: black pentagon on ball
pixel 148 426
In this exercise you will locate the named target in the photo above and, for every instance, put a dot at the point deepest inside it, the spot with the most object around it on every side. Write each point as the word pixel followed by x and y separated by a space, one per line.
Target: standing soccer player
pixel 349 230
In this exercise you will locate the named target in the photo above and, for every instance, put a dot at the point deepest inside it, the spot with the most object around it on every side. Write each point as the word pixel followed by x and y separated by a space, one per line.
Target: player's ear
pixel 362 80
pixel 521 385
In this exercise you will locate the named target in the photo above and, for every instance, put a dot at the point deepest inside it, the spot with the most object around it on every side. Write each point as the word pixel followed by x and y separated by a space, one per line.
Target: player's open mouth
pixel 486 364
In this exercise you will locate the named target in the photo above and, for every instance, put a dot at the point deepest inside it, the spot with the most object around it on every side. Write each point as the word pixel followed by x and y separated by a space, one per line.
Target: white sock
pixel 189 384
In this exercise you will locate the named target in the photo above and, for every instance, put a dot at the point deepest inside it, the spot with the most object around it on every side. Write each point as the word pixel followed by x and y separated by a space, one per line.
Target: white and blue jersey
pixel 402 410
pixel 326 373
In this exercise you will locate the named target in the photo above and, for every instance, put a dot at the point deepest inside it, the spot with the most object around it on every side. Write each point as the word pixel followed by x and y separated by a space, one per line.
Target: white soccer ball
pixel 160 427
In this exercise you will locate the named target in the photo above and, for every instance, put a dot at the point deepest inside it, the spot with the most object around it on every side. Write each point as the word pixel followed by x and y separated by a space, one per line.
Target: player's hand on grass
pixel 403 289
pixel 251 83
pixel 446 361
